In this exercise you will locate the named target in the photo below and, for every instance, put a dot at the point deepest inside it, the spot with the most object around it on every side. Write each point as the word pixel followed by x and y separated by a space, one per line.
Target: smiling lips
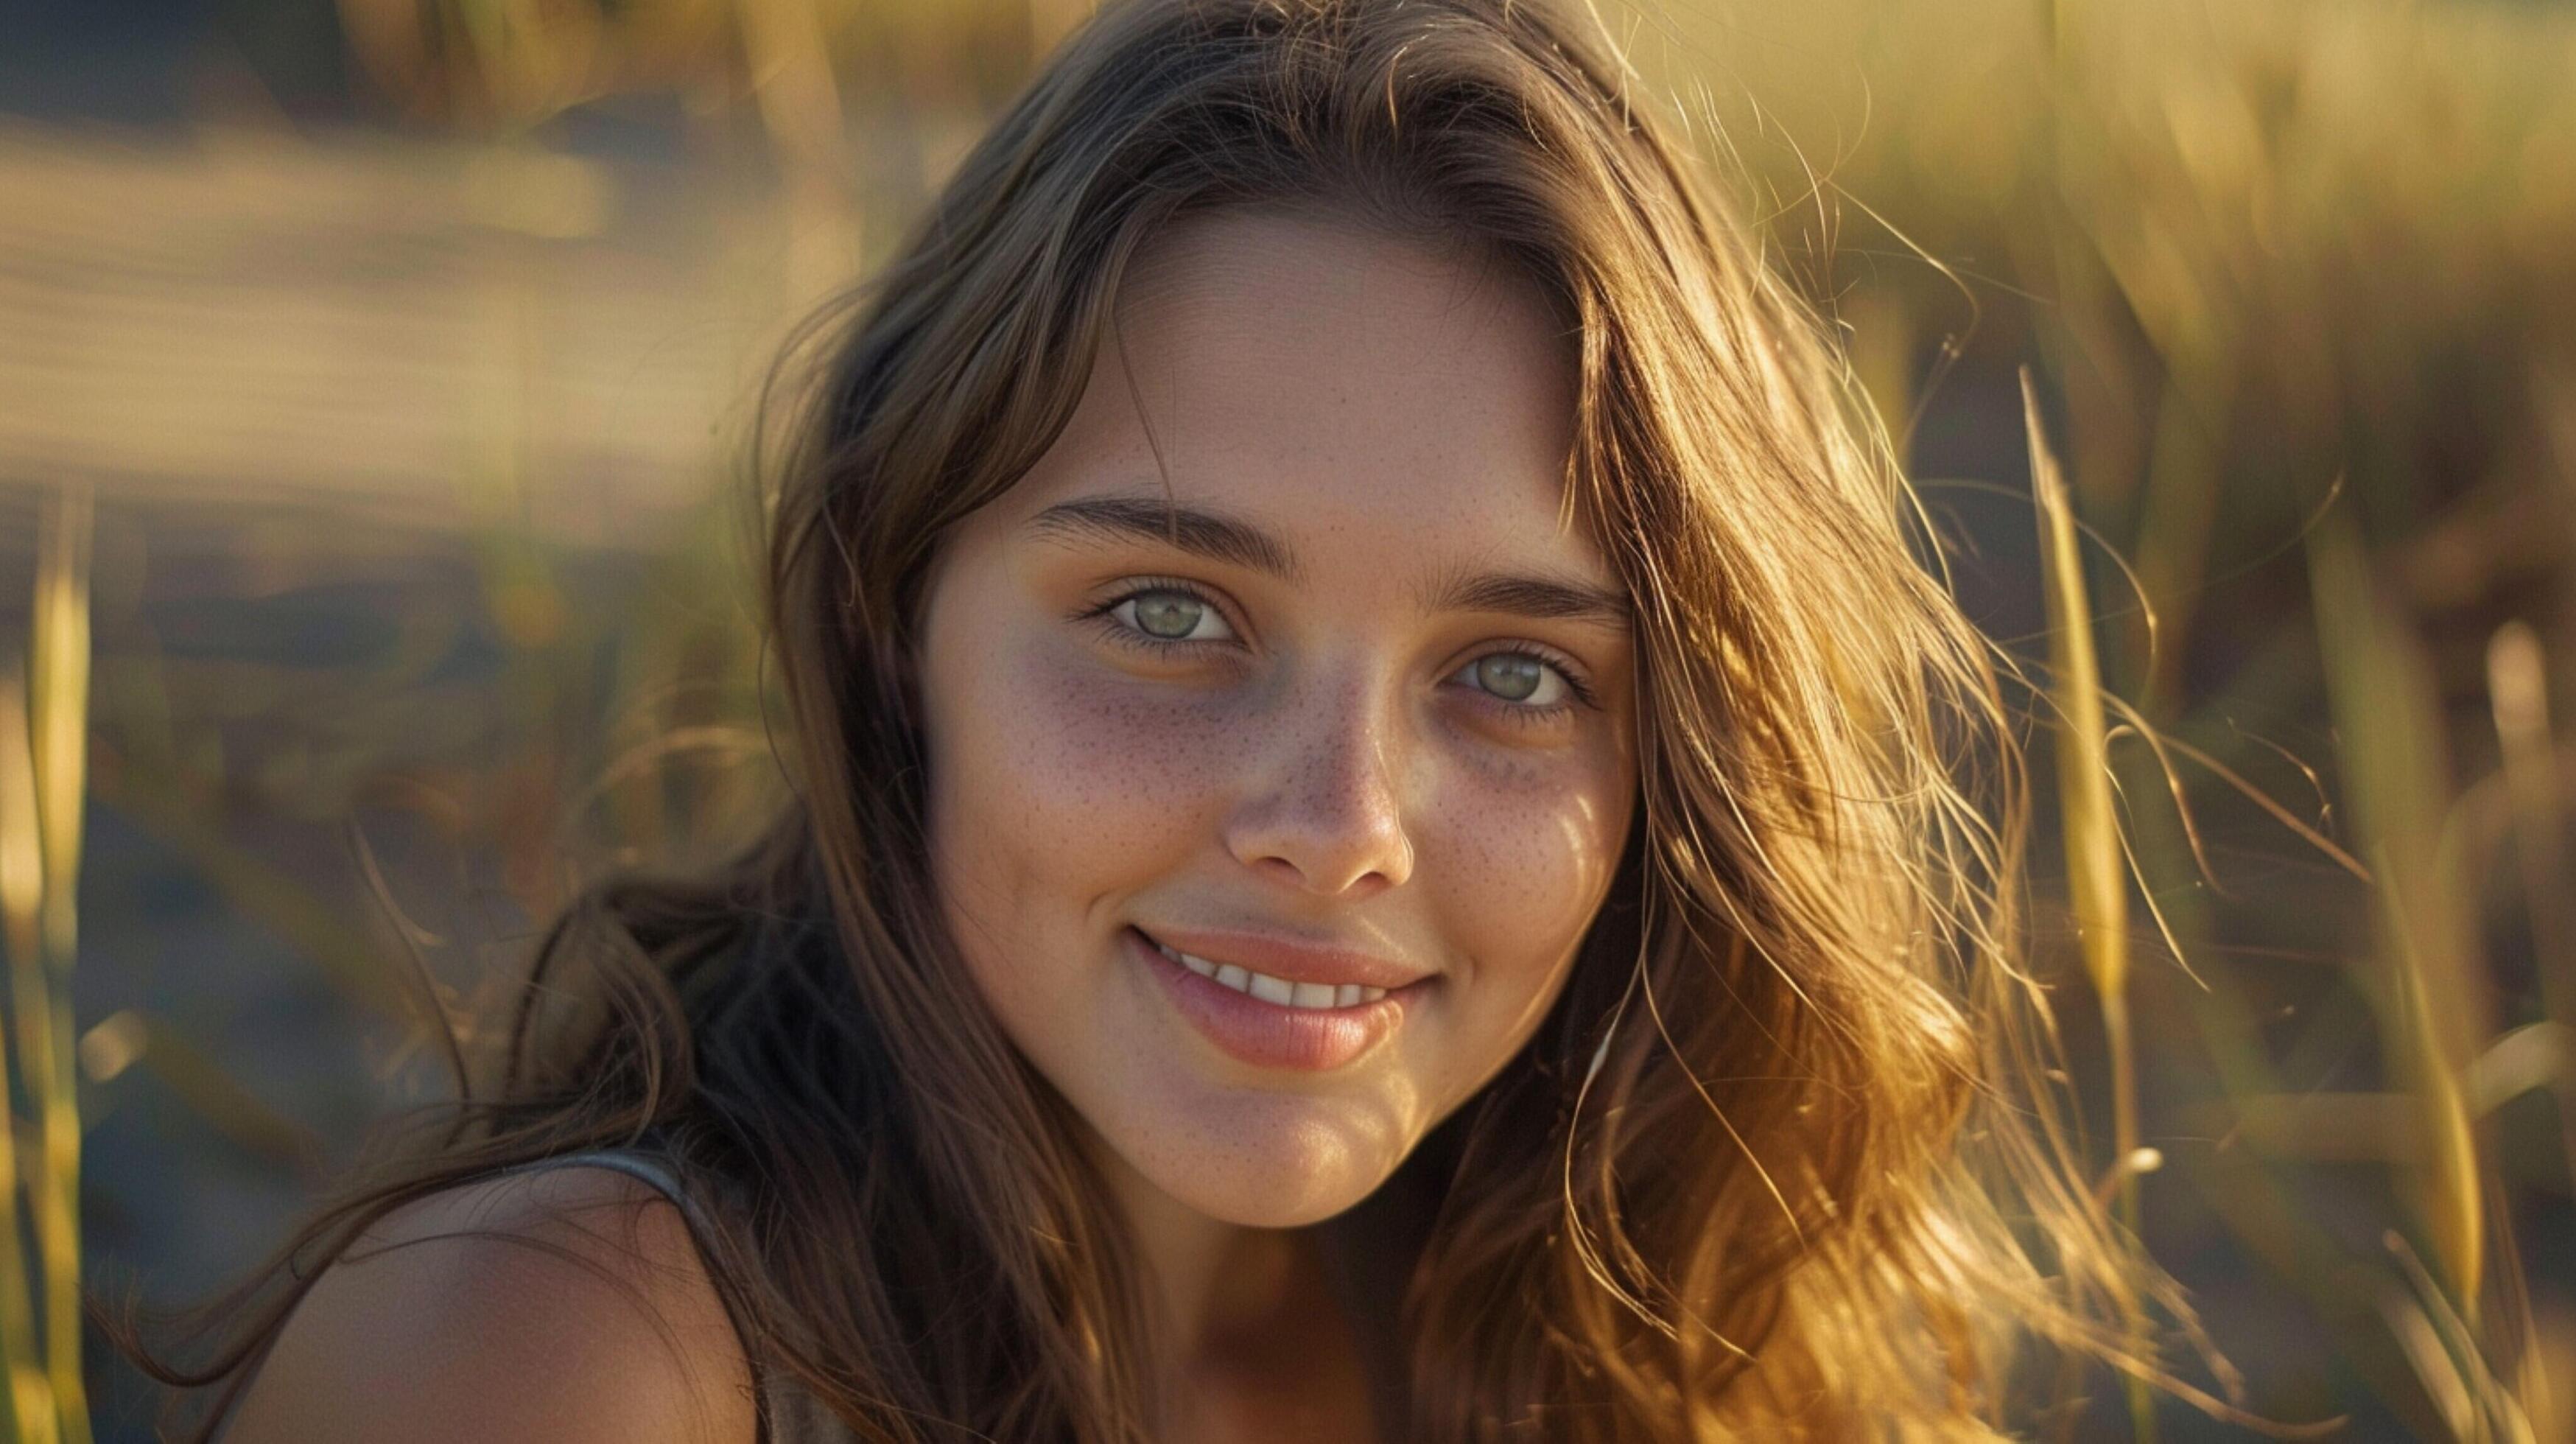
pixel 1303 1008
pixel 1275 990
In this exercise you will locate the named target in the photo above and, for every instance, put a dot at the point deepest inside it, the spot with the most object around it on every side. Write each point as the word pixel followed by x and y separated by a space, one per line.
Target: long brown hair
pixel 1782 1162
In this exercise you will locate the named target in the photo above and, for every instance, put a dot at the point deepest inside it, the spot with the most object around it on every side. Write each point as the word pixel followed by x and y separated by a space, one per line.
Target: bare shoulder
pixel 560 1304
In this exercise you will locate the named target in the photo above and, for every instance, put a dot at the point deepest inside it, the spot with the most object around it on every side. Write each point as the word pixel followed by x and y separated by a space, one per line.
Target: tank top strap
pixel 639 1163
pixel 789 1413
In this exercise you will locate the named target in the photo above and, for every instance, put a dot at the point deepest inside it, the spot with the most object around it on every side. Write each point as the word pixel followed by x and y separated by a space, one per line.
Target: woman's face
pixel 1280 660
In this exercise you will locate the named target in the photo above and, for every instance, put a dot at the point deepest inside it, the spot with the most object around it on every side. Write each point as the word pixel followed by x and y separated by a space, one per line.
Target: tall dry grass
pixel 44 732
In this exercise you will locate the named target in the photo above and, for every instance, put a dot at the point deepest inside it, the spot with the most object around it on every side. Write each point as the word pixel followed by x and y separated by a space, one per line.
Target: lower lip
pixel 1266 1035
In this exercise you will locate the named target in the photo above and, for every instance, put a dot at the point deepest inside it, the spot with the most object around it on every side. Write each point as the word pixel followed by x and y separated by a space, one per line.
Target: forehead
pixel 1331 382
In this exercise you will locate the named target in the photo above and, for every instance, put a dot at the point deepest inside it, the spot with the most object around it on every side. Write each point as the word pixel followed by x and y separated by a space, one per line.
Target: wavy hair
pixel 1784 1161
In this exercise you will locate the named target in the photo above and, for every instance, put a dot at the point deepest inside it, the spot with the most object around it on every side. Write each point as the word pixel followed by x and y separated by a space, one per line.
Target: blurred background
pixel 374 378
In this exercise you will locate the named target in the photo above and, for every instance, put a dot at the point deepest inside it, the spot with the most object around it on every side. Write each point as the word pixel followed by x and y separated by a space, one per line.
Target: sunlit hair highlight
pixel 1783 1162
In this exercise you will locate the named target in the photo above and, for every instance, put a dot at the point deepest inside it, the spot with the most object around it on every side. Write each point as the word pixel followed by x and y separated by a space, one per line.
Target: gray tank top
pixel 789 1414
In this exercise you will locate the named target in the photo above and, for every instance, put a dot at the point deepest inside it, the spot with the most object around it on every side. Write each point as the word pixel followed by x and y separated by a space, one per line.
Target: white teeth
pixel 1276 990
pixel 1273 990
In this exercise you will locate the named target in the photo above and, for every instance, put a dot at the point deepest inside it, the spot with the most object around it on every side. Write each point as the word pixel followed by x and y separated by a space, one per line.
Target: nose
pixel 1325 812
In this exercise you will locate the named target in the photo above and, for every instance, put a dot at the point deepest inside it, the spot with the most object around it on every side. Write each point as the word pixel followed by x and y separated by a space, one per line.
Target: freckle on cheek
pixel 1100 760
pixel 1525 862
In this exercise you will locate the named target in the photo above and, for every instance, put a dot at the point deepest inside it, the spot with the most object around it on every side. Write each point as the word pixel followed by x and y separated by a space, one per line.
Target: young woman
pixel 1392 841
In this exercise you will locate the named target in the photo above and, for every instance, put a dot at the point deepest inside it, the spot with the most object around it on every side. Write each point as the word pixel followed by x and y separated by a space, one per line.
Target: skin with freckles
pixel 1376 697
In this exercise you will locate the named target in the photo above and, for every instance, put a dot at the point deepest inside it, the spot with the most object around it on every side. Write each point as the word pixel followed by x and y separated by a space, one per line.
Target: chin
pixel 1274 1203
pixel 1289 1178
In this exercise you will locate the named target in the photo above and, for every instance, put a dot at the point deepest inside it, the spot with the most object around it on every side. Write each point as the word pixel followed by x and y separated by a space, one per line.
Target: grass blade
pixel 2388 728
pixel 2096 860
pixel 2518 691
pixel 59 694
pixel 30 1396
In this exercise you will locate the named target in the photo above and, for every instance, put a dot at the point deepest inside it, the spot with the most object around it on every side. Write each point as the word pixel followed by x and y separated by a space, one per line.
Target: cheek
pixel 1527 851
pixel 1058 782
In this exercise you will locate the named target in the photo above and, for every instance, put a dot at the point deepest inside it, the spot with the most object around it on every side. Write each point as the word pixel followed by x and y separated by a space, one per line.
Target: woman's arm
pixel 566 1304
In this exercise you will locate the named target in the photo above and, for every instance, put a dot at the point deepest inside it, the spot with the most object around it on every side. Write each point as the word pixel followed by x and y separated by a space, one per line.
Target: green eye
pixel 1520 677
pixel 1510 676
pixel 1168 614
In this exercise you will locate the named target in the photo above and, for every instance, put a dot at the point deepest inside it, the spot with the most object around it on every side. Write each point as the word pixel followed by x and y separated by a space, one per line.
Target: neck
pixel 1251 1338
pixel 1213 1285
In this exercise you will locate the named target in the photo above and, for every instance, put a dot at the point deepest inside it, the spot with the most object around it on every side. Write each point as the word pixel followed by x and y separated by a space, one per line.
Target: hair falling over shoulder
pixel 1783 1163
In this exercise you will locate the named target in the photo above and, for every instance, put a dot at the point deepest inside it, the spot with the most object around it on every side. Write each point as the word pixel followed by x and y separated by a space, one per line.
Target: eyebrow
pixel 1225 539
pixel 1203 533
pixel 1531 597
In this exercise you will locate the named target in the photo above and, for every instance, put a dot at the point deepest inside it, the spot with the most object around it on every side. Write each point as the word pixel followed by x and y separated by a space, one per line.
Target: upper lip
pixel 1293 960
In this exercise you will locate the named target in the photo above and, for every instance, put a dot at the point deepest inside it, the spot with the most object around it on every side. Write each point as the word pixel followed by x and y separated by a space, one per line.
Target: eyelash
pixel 1129 636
